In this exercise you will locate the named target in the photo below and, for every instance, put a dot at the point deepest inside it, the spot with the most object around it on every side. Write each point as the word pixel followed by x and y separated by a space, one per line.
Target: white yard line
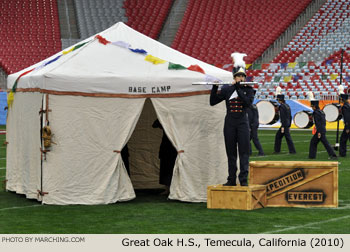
pixel 312 223
pixel 2 168
pixel 12 208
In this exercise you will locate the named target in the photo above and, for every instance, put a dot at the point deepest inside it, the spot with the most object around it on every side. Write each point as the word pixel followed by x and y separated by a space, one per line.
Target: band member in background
pixel 320 135
pixel 167 157
pixel 253 117
pixel 236 129
pixel 346 118
pixel 286 120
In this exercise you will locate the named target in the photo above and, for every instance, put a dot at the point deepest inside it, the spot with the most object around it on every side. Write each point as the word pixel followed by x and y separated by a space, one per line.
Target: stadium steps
pixel 173 21
pixel 275 48
pixel 68 22
pixel 3 78
pixel 95 16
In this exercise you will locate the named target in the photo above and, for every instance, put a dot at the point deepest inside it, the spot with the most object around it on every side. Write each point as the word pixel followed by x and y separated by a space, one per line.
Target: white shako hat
pixel 239 64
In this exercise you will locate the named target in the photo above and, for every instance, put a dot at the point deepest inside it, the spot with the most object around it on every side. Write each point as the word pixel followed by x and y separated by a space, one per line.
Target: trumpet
pixel 224 83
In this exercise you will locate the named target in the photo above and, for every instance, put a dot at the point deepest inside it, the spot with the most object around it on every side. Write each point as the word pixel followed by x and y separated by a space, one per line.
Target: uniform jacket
pixel 285 115
pixel 320 121
pixel 346 115
pixel 236 107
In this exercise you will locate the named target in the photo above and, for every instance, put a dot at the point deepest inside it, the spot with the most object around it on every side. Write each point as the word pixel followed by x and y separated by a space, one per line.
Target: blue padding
pixel 3 104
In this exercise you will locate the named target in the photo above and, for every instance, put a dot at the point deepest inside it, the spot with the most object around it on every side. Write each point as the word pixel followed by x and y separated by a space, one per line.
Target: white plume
pixel 340 89
pixel 311 96
pixel 278 90
pixel 238 59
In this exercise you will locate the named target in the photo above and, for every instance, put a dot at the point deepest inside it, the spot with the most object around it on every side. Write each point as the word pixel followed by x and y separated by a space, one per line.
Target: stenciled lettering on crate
pixel 297 184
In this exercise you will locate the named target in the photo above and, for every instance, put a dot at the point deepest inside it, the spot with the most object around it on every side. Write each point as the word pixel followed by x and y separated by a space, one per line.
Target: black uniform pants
pixel 314 142
pixel 343 139
pixel 278 140
pixel 254 136
pixel 236 133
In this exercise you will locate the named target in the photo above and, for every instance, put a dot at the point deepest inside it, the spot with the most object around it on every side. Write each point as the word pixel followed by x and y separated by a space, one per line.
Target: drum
pixel 303 119
pixel 332 112
pixel 268 112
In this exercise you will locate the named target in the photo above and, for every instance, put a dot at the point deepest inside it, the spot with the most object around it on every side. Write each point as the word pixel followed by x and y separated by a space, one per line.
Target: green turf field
pixel 151 212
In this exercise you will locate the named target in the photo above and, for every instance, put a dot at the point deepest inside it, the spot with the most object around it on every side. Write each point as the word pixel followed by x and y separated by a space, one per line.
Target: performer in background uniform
pixel 167 156
pixel 253 117
pixel 286 120
pixel 346 118
pixel 236 129
pixel 320 135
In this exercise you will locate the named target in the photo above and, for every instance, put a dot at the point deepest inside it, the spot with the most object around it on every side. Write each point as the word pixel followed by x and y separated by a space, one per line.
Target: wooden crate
pixel 297 183
pixel 236 197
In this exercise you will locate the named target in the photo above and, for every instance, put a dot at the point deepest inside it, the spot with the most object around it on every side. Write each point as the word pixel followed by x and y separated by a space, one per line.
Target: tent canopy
pixel 95 95
pixel 113 69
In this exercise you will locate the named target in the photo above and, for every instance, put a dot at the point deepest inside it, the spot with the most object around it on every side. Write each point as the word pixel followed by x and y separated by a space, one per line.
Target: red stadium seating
pixel 30 32
pixel 147 16
pixel 212 30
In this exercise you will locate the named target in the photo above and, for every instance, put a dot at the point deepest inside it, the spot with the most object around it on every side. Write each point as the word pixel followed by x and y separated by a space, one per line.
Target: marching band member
pixel 346 118
pixel 236 129
pixel 320 135
pixel 286 120
pixel 253 117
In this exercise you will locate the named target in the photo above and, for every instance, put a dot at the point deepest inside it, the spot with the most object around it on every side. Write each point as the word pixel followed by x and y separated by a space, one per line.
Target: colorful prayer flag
pixel 292 64
pixel 265 66
pixel 154 60
pixel 210 78
pixel 141 51
pixel 302 64
pixel 273 66
pixel 196 68
pixel 284 65
pixel 173 66
pixel 102 40
pixel 256 66
pixel 287 78
pixel 121 44
pixel 334 76
pixel 329 62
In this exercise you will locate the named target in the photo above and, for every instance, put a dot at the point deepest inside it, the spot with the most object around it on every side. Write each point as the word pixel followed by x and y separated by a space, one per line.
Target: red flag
pixel 102 40
pixel 196 68
pixel 265 66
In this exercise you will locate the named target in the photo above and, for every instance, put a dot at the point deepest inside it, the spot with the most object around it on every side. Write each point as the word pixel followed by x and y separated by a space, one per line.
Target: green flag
pixel 277 79
pixel 302 64
pixel 176 66
pixel 256 66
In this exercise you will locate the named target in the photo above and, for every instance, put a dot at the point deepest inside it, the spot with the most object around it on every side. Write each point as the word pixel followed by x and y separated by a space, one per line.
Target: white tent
pixel 94 97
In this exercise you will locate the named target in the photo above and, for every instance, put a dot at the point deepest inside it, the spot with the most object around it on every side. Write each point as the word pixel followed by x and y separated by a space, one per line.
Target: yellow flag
pixel 10 98
pixel 292 64
pixel 287 78
pixel 68 51
pixel 334 76
pixel 154 60
pixel 247 66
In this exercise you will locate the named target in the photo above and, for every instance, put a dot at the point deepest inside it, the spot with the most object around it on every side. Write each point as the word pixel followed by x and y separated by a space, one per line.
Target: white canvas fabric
pixel 82 167
pixel 23 149
pixel 94 111
pixel 196 129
